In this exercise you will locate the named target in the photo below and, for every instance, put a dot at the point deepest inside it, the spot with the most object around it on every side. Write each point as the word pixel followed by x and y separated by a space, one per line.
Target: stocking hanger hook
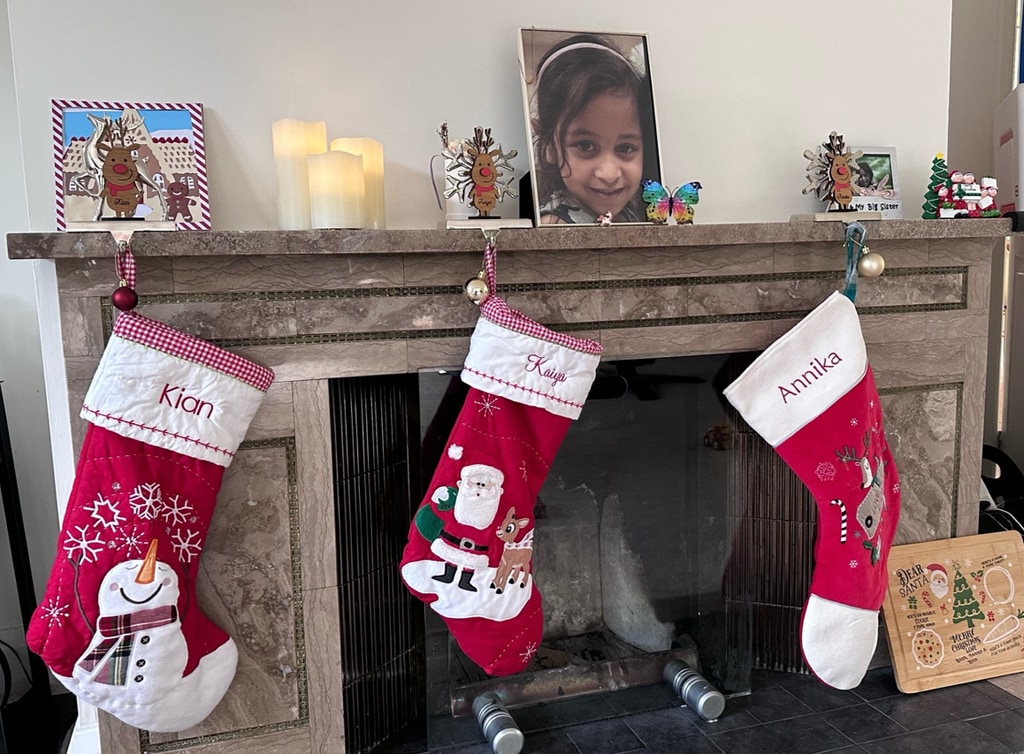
pixel 491 235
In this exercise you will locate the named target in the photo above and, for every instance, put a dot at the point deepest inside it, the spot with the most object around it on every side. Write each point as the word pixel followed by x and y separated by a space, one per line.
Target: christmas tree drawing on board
pixel 965 607
pixel 938 180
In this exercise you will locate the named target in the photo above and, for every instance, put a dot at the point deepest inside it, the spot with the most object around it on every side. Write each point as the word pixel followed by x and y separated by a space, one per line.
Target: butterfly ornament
pixel 661 205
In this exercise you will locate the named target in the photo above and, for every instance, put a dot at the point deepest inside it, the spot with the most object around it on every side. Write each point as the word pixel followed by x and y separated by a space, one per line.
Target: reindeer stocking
pixel 118 623
pixel 812 396
pixel 471 542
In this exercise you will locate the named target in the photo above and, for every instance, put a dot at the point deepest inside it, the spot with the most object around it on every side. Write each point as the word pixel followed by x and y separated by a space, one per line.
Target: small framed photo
pixel 589 106
pixel 130 161
pixel 877 182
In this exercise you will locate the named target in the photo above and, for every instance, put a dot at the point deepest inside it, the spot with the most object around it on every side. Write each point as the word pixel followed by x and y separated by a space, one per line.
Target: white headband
pixel 581 46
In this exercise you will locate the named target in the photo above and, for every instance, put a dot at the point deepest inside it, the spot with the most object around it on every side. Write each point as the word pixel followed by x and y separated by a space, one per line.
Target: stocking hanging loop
pixel 124 298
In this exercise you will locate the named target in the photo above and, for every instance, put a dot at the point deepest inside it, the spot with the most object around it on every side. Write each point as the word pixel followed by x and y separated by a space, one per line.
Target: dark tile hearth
pixel 785 713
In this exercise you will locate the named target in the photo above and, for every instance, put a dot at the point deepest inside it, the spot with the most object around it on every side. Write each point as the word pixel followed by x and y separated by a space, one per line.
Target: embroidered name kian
pixel 818 369
pixel 535 363
pixel 175 397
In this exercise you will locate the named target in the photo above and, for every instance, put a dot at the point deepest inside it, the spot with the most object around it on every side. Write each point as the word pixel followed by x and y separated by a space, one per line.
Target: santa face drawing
pixel 479 495
pixel 939 581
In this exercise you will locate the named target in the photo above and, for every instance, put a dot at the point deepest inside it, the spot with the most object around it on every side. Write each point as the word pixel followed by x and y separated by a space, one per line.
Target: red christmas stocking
pixel 812 396
pixel 119 624
pixel 471 542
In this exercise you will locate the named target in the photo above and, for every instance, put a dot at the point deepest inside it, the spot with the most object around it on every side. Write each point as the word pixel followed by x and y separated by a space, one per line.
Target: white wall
pixel 741 88
pixel 22 377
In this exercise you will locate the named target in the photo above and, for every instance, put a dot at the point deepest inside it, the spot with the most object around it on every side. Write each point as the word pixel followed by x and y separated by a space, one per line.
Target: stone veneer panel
pixel 347 303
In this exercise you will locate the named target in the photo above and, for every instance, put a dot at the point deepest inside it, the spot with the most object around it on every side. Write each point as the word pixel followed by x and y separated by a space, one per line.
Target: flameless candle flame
pixel 294 141
pixel 372 153
pixel 336 190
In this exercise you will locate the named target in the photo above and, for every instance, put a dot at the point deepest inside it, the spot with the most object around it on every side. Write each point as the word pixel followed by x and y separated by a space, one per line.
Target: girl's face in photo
pixel 602 155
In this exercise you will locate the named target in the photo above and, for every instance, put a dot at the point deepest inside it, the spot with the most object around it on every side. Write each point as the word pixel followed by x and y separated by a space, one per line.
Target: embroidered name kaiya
pixel 536 362
pixel 805 380
pixel 175 397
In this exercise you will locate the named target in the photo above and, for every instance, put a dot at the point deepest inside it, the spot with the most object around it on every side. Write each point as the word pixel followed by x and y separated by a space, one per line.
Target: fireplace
pixel 324 307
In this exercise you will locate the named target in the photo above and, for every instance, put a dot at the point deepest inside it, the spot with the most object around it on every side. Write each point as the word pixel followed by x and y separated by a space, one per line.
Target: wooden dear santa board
pixel 954 610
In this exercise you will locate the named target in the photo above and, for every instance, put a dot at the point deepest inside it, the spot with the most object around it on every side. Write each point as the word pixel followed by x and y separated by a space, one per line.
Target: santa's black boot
pixel 465 580
pixel 448 576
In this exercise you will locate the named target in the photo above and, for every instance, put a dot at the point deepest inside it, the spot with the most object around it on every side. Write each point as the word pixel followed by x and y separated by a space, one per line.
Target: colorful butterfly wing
pixel 688 192
pixel 658 201
pixel 680 212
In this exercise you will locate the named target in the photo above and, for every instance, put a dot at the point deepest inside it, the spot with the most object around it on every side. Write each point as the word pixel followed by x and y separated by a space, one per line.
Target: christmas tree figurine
pixel 965 606
pixel 937 196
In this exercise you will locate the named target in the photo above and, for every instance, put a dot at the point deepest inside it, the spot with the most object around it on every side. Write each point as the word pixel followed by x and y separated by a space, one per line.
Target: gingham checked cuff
pixel 173 390
pixel 520 359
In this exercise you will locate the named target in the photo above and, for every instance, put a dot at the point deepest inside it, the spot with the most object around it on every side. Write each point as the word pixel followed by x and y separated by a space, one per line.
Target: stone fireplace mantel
pixel 324 304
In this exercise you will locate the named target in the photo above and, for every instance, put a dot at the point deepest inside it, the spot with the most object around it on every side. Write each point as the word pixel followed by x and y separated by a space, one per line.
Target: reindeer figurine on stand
pixel 830 173
pixel 479 173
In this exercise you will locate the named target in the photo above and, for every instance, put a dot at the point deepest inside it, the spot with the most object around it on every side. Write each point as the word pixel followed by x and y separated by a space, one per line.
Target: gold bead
pixel 476 290
pixel 870 265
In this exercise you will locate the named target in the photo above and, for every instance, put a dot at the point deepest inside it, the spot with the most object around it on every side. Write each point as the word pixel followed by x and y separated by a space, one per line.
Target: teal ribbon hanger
pixel 855 235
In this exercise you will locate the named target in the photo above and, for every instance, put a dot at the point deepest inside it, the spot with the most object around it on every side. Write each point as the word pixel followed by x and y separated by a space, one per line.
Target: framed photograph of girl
pixel 589 108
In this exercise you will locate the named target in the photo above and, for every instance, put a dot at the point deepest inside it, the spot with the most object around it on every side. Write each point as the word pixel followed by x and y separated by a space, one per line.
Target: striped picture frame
pixel 168 148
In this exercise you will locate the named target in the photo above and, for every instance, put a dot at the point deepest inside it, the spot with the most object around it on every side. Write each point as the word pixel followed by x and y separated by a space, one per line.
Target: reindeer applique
pixel 869 510
pixel 516 557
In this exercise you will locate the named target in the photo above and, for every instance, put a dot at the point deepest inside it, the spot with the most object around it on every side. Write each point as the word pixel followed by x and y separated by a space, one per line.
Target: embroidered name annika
pixel 535 363
pixel 175 397
pixel 818 369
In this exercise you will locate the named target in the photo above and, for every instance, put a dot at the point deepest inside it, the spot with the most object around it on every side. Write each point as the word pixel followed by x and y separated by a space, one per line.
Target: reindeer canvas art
pixel 133 162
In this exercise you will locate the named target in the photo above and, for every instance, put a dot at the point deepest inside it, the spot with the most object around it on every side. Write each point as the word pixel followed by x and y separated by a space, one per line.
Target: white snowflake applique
pixel 104 512
pixel 54 613
pixel 488 405
pixel 529 652
pixel 854 563
pixel 176 509
pixel 86 545
pixel 896 487
pixel 187 545
pixel 455 452
pixel 132 541
pixel 146 500
pixel 825 471
pixel 855 422
pixel 522 469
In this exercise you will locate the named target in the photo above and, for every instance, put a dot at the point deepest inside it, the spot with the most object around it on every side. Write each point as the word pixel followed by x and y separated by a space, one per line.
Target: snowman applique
pixel 134 665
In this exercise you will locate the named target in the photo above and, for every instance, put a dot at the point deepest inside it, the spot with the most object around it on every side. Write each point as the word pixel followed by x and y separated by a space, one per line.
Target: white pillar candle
pixel 372 153
pixel 336 190
pixel 294 141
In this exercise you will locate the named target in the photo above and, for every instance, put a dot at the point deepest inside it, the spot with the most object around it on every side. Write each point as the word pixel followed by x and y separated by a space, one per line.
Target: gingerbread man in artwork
pixel 179 202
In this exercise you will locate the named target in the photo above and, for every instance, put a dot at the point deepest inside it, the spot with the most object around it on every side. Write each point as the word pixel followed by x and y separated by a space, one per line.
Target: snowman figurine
pixel 134 665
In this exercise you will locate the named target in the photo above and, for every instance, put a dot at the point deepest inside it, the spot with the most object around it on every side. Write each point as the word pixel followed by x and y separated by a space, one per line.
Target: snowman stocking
pixel 118 623
pixel 812 396
pixel 471 542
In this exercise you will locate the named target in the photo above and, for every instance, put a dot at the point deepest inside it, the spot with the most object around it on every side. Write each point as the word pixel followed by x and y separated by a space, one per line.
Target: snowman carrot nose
pixel 147 571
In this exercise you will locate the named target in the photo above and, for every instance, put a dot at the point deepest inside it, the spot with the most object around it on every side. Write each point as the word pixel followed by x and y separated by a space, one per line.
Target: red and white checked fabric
pixel 124 263
pixel 148 332
pixel 497 311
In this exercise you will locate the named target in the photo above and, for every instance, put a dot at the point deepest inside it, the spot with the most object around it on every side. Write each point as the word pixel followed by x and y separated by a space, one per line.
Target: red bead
pixel 124 298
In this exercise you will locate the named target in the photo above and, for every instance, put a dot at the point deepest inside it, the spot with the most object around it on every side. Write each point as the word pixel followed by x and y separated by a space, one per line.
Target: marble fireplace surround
pixel 322 304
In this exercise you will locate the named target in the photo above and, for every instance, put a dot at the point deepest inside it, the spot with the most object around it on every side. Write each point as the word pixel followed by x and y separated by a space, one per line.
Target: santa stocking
pixel 812 396
pixel 119 624
pixel 470 545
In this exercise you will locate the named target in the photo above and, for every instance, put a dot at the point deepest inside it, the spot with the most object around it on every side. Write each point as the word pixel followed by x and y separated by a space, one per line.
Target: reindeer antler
pixel 848 454
pixel 482 139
